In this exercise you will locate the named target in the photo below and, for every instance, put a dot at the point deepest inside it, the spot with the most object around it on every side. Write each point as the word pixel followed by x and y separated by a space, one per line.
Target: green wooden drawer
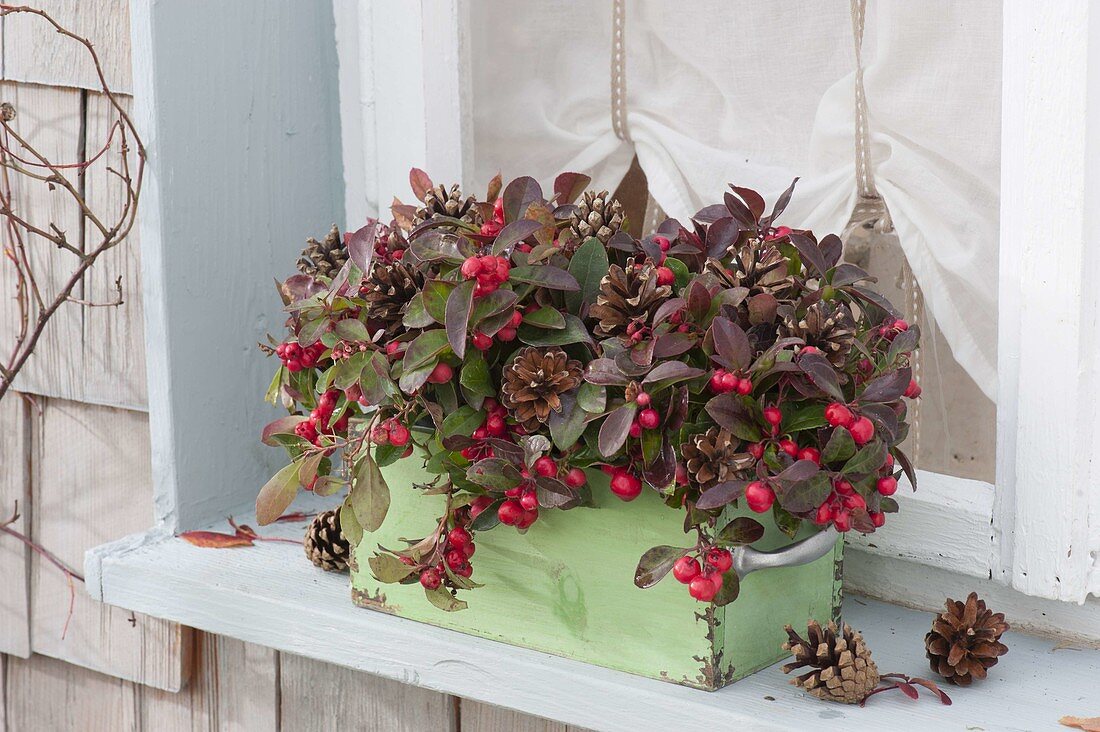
pixel 566 588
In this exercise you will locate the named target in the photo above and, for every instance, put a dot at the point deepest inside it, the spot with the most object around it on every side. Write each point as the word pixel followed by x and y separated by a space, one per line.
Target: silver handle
pixel 746 559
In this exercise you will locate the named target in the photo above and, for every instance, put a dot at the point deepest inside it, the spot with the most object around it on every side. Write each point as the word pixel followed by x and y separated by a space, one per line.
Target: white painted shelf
pixel 269 594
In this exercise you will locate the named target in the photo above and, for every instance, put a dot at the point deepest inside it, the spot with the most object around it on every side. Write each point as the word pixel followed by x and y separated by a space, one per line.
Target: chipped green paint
pixel 566 587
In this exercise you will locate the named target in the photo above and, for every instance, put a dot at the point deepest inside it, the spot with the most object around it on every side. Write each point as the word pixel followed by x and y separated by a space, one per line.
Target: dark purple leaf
pixel 906 466
pixel 762 309
pixel 677 409
pixel 642 353
pixel 821 373
pixel 742 530
pixel 515 232
pixel 667 309
pixel 849 274
pixel 832 247
pixel 904 342
pixel 360 245
pixel 731 344
pixel 655 564
pixel 298 287
pixel 888 387
pixel 698 299
pixel 751 198
pixel 884 418
pixel 545 275
pixel 780 204
pixel 519 194
pixel 803 496
pixel 721 236
pixel 615 428
pixel 569 186
pixel 622 241
pixel 710 214
pixel 674 344
pixel 509 451
pixel 459 304
pixel 931 686
pixel 872 297
pixel 605 372
pixel 810 252
pixel 721 494
pixel 552 493
pixel 798 471
pixel 496 302
pixel 730 412
pixel 671 372
pixel 739 211
pixel 663 470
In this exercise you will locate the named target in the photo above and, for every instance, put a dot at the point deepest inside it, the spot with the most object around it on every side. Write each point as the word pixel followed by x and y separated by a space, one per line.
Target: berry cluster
pixel 704 582
pixel 490 272
pixel 493 226
pixel 507 334
pixel 391 432
pixel 861 428
pixel 452 554
pixel 318 422
pixel 495 425
pixel 723 382
pixel 624 483
pixel 296 358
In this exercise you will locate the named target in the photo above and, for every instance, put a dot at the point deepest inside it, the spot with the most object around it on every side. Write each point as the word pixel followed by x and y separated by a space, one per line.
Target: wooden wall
pixel 75 453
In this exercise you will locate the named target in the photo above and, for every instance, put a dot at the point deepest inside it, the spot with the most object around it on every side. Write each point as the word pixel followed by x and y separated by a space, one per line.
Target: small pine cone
pixel 711 458
pixel 388 291
pixel 534 382
pixel 965 640
pixel 840 663
pixel 627 296
pixel 324 257
pixel 439 201
pixel 830 328
pixel 325 545
pixel 758 266
pixel 598 215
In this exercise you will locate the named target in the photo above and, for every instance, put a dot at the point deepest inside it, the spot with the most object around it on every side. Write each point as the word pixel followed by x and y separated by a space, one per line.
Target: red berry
pixel 843 487
pixel 529 500
pixel 756 449
pixel 455 558
pixel 510 512
pixel 842 520
pixel 824 514
pixel 789 447
pixel 854 501
pixel 773 416
pixel 662 243
pixel 469 549
pixel 399 435
pixel 502 269
pixel 901 325
pixel 546 467
pixel 626 486
pixel 380 435
pixel 744 387
pixel 643 399
pixel 717 579
pixel 430 578
pixel 494 425
pixel 878 519
pixel 702 588
pixel 720 559
pixel 575 478
pixel 635 430
pixel 480 504
pixel 809 349
pixel 464 571
pixel 481 341
pixel 458 537
pixel 810 453
pixel 681 474
pixel 759 497
pixel 441 374
pixel 838 415
pixel 730 381
pixel 517 319
pixel 471 268
pixel 685 570
pixel 717 383
pixel 887 486
pixel 862 430
pixel 393 347
pixel 529 517
pixel 649 419
pixel 913 390
pixel 665 276
pixel 506 335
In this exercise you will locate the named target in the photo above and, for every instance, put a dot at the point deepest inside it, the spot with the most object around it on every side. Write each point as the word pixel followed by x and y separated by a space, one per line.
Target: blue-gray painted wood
pixel 239 106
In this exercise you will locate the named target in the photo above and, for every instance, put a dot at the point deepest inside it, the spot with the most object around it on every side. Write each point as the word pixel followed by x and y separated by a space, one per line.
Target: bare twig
pixel 20 160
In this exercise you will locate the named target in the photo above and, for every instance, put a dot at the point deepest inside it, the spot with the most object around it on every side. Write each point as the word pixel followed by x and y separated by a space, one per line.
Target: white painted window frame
pixel 1031 533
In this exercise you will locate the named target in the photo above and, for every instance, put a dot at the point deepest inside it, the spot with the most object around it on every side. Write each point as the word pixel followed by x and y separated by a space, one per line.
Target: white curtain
pixel 756 93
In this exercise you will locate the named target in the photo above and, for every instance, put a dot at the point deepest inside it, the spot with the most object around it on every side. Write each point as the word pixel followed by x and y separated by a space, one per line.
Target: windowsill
pixel 269 594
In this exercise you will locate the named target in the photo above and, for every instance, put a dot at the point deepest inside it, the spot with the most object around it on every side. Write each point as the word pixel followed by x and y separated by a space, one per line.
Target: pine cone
pixel 438 201
pixel 598 215
pixel 965 640
pixel 324 257
pixel 830 328
pixel 325 545
pixel 627 296
pixel 388 291
pixel 711 458
pixel 534 382
pixel 758 266
pixel 841 665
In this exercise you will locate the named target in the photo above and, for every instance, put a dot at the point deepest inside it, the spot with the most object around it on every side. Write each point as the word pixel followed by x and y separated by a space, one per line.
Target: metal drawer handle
pixel 746 559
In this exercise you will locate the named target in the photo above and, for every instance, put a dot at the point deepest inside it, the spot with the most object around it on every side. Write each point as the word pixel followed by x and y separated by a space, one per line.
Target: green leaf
pixel 494 473
pixel 488 518
pixel 742 530
pixel 592 398
pixel 442 598
pixel 434 297
pixel 349 525
pixel 496 302
pixel 388 568
pixel 352 330
pixel 655 564
pixel 683 275
pixel 273 389
pixel 840 446
pixel 567 426
pixel 652 440
pixel 462 421
pixel 425 349
pixel 869 459
pixel 588 266
pixel 545 275
pixel 415 315
pixel 787 522
pixel 369 495
pixel 475 376
pixel 460 304
pixel 799 416
pixel 387 454
pixel 277 494
pixel 574 332
pixel 545 318
pixel 805 495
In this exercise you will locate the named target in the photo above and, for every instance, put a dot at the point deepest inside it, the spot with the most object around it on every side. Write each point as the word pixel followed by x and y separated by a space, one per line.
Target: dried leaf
pixel 215 539
pixel 1089 724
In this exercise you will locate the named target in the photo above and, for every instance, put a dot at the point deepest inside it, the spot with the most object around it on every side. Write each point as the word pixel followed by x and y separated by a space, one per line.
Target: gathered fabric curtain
pixel 756 93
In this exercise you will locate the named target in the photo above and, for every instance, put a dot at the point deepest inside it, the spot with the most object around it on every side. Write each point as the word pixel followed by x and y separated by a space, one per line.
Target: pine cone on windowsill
pixel 965 640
